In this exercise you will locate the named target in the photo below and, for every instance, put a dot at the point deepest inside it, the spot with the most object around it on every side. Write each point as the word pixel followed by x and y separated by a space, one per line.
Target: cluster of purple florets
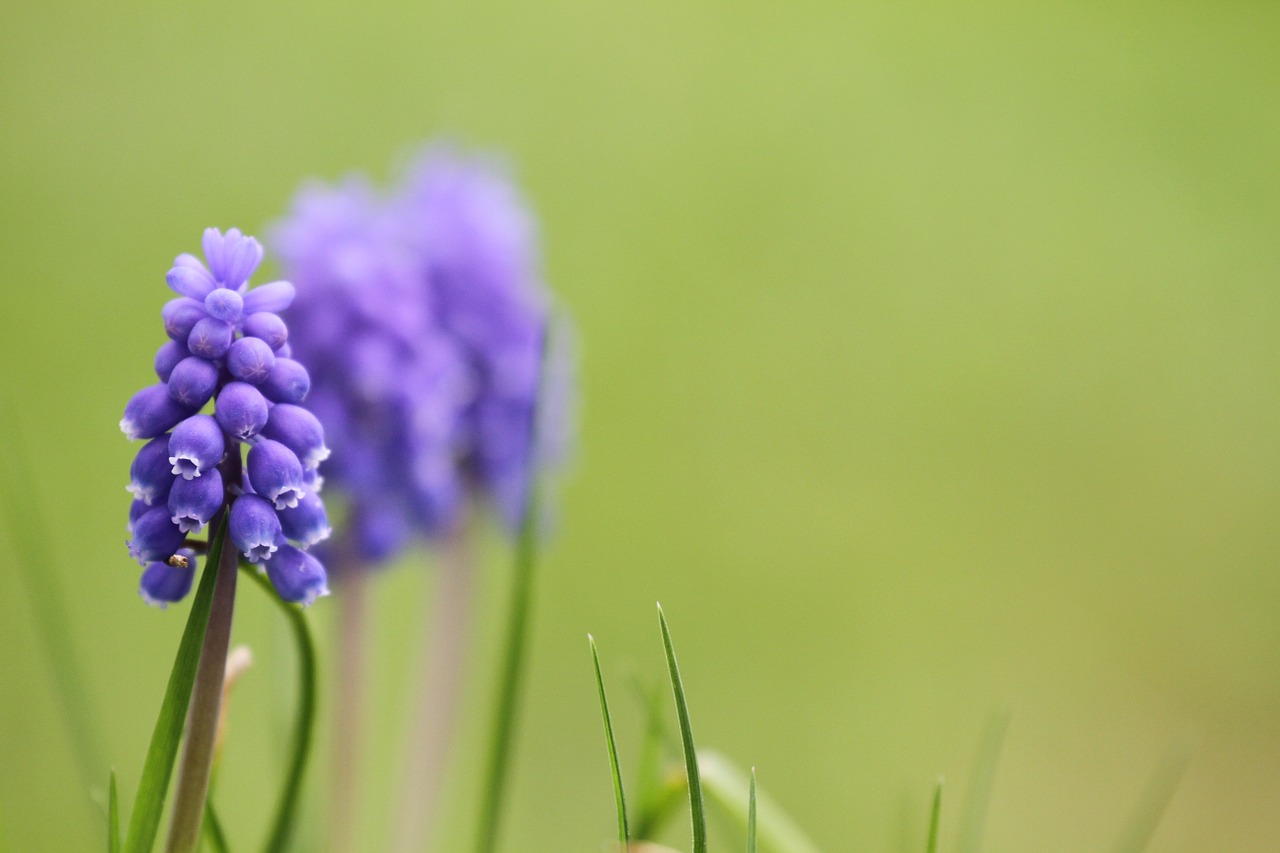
pixel 227 344
pixel 423 318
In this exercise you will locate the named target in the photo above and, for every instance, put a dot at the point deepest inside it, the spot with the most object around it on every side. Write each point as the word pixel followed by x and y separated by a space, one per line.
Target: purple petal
pixel 276 296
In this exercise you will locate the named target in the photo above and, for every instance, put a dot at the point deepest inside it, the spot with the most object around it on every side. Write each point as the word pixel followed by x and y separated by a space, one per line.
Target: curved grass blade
pixel 697 810
pixel 113 816
pixel 158 768
pixel 728 787
pixel 624 835
pixel 282 825
pixel 935 818
pixel 751 815
pixel 213 829
pixel 1155 799
pixel 973 818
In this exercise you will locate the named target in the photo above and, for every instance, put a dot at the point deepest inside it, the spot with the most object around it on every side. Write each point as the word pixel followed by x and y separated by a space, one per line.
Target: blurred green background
pixel 930 366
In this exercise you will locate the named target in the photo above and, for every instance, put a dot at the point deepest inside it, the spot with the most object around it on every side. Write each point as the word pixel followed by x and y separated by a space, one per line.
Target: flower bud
pixel 136 510
pixel 268 327
pixel 193 381
pixel 188 277
pixel 288 381
pixel 273 297
pixel 210 338
pixel 163 584
pixel 151 412
pixel 298 430
pixel 285 351
pixel 307 522
pixel 167 358
pixel 193 502
pixel 297 576
pixel 149 476
pixel 224 304
pixel 155 536
pixel 254 528
pixel 180 317
pixel 241 410
pixel 250 359
pixel 275 473
pixel 196 445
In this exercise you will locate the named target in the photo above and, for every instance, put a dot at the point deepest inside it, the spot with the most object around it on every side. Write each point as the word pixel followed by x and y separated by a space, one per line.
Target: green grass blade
pixel 751 815
pixel 29 537
pixel 730 790
pixel 213 829
pixel 624 835
pixel 697 810
pixel 113 816
pixel 304 728
pixel 158 767
pixel 650 788
pixel 935 818
pixel 1155 799
pixel 973 818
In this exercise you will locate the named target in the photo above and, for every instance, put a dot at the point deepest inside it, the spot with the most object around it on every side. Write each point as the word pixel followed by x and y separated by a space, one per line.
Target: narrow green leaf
pixel 697 811
pixel 212 828
pixel 973 818
pixel 751 815
pixel 158 767
pixel 651 788
pixel 113 817
pixel 935 817
pixel 624 835
pixel 729 788
pixel 304 728
pixel 1155 799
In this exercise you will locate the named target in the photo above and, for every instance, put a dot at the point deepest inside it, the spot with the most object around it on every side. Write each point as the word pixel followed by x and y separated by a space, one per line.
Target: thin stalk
pixel 447 646
pixel 206 699
pixel 351 638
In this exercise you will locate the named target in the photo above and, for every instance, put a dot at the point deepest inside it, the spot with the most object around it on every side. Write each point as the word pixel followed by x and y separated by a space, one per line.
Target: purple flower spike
pixel 193 381
pixel 241 410
pixel 224 304
pixel 151 412
pixel 275 473
pixel 297 576
pixel 273 298
pixel 288 381
pixel 163 584
pixel 267 326
pixel 167 358
pixel 298 430
pixel 180 317
pixel 189 278
pixel 196 445
pixel 255 528
pixel 155 536
pixel 307 522
pixel 193 502
pixel 250 359
pixel 210 338
pixel 149 477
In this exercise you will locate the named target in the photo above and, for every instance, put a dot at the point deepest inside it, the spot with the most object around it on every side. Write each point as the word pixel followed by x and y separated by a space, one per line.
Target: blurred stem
pixel 446 646
pixel 351 637
pixel 206 698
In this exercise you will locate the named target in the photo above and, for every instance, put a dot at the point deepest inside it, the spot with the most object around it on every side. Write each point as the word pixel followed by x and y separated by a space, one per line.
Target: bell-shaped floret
pixel 163 584
pixel 225 304
pixel 167 358
pixel 151 412
pixel 250 360
pixel 154 536
pixel 180 317
pixel 210 338
pixel 273 297
pixel 288 381
pixel 196 445
pixel 268 327
pixel 193 381
pixel 136 510
pixel 275 473
pixel 241 410
pixel 149 476
pixel 307 522
pixel 298 430
pixel 193 502
pixel 255 528
pixel 297 576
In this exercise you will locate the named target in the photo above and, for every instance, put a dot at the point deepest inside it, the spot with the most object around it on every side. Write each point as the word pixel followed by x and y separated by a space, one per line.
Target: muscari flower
pixel 422 317
pixel 227 343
